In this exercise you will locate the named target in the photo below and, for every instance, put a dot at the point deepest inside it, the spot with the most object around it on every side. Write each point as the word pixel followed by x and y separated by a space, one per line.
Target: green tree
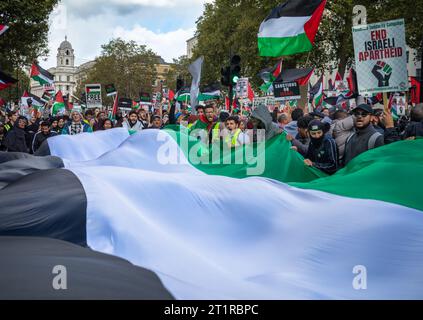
pixel 129 66
pixel 25 41
pixel 27 37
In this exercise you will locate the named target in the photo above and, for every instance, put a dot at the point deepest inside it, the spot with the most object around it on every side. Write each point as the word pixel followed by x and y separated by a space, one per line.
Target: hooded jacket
pixel 272 129
pixel 15 141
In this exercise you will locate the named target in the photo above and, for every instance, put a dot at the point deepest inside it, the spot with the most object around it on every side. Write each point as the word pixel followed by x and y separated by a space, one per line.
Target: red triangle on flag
pixel 59 97
pixel 250 92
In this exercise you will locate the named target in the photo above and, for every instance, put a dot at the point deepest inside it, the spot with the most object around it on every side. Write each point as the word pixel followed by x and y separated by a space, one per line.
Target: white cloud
pixel 163 25
pixel 168 44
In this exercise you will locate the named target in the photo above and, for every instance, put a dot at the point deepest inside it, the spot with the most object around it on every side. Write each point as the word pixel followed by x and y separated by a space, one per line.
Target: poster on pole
pixel 93 95
pixel 286 91
pixel 241 88
pixel 110 90
pixel 380 57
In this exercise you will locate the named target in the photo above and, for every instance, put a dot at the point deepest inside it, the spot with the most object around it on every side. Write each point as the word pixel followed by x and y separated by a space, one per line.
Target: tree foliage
pixel 129 66
pixel 230 27
pixel 27 37
pixel 25 40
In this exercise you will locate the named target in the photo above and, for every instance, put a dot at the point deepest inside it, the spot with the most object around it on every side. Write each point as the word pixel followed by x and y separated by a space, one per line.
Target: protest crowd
pixel 327 138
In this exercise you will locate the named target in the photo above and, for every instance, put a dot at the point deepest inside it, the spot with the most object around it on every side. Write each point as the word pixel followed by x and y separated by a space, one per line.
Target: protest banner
pixel 93 95
pixel 285 91
pixel 110 90
pixel 380 57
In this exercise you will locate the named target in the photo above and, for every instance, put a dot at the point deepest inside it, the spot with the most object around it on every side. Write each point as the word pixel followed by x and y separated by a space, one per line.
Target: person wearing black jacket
pixel 322 151
pixel 365 137
pixel 42 135
pixel 15 140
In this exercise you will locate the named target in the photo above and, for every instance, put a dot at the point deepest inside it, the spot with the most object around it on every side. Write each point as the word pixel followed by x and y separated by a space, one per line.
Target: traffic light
pixel 235 69
pixel 226 76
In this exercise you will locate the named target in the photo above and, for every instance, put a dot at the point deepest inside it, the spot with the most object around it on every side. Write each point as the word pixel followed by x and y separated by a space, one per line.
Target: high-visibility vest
pixel 216 132
pixel 7 127
pixel 234 138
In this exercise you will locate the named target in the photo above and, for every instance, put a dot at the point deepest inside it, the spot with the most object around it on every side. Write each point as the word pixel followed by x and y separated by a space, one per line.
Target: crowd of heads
pixel 328 138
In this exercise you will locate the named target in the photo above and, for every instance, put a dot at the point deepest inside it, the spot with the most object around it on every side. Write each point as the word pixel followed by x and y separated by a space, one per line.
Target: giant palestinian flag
pixel 41 75
pixel 6 81
pixel 290 28
pixel 264 226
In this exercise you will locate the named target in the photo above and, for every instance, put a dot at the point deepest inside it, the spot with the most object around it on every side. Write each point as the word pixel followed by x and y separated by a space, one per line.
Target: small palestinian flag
pixel 59 104
pixel 46 97
pixel 29 99
pixel 317 92
pixel 211 92
pixel 290 28
pixel 270 74
pixel 41 75
pixel 6 81
pixel 3 29
pixel 184 95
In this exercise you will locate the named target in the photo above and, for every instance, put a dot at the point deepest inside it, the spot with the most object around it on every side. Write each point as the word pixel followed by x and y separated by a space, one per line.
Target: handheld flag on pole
pixel 28 99
pixel 195 70
pixel 290 28
pixel 316 92
pixel 115 106
pixel 6 81
pixel 59 104
pixel 41 75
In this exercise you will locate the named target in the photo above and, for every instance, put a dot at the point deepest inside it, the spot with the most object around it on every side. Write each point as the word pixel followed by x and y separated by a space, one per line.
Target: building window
pixel 67 88
pixel 67 62
pixel 61 61
pixel 408 56
pixel 69 78
pixel 67 52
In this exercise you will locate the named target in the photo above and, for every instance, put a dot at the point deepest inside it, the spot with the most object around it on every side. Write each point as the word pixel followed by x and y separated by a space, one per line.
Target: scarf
pixel 76 128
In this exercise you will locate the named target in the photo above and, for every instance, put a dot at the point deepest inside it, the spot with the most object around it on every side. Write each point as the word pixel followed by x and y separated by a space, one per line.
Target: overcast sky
pixel 163 25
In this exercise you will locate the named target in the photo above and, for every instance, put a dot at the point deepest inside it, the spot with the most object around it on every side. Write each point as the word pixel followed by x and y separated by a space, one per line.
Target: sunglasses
pixel 360 114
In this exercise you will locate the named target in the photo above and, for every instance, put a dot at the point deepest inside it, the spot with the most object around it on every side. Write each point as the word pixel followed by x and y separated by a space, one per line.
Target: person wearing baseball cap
pixel 322 151
pixel 365 137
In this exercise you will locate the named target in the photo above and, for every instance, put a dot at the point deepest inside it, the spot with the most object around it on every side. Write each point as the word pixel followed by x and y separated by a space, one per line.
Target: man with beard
pixel 132 123
pixel 322 151
pixel 365 137
pixel 42 135
pixel 15 140
pixel 143 117
pixel 207 126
